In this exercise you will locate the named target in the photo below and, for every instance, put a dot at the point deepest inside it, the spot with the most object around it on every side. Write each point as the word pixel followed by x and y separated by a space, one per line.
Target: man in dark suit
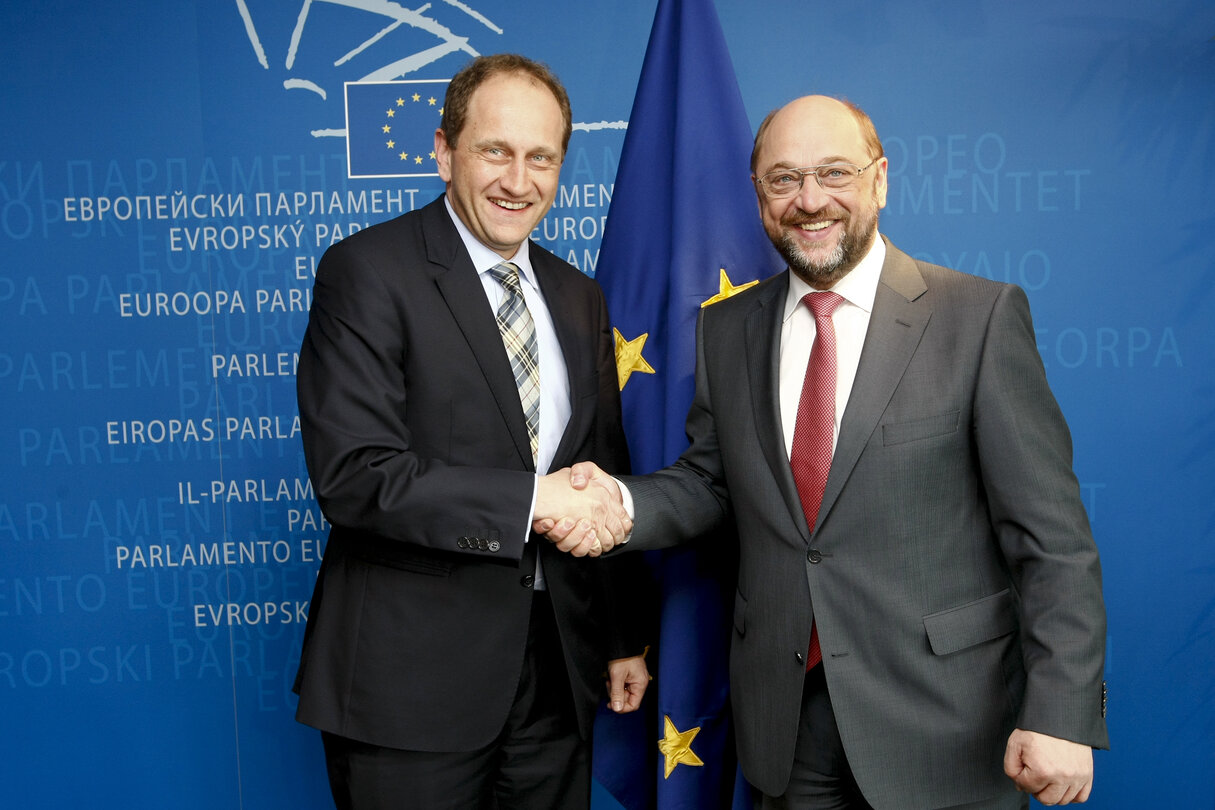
pixel 450 660
pixel 918 621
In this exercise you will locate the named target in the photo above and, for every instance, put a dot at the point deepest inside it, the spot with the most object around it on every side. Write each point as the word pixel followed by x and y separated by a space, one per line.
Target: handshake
pixel 579 510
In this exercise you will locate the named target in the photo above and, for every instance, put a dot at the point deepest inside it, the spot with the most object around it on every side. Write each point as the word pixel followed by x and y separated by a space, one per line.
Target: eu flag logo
pixel 390 127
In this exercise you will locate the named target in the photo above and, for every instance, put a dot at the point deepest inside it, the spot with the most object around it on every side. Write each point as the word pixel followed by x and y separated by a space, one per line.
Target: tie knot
pixel 822 304
pixel 507 274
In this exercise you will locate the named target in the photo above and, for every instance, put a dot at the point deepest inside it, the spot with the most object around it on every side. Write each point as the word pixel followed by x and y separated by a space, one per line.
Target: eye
pixel 783 179
pixel 543 160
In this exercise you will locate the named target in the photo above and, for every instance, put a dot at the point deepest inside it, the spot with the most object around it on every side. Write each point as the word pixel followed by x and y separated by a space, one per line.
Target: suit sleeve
pixel 1025 453
pixel 354 395
pixel 689 498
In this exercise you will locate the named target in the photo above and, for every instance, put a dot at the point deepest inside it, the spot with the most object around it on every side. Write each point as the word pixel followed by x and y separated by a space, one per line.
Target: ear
pixel 879 182
pixel 443 156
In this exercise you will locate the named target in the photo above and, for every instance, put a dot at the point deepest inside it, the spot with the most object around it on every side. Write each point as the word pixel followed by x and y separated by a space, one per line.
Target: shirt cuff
pixel 626 499
pixel 531 510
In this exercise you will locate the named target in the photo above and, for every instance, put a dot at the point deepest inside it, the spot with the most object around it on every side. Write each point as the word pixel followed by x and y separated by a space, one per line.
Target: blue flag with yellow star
pixel 683 229
pixel 390 127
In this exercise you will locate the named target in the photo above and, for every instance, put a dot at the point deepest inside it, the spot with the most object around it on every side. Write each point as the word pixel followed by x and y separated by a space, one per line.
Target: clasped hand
pixel 579 510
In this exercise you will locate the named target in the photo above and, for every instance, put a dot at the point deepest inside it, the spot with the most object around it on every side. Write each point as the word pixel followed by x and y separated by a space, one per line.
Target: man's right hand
pixel 577 517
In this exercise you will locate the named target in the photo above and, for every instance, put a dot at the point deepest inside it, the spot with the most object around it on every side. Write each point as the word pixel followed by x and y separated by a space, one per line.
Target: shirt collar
pixel 483 258
pixel 858 287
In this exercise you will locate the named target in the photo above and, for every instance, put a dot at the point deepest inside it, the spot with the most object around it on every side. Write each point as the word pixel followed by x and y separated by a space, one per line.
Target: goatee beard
pixel 822 273
pixel 853 244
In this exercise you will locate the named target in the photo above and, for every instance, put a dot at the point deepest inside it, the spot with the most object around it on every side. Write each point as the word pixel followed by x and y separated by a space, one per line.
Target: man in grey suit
pixel 918 621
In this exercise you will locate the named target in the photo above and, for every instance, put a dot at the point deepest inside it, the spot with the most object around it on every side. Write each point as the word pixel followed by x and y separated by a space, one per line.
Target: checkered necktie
pixel 814 431
pixel 519 336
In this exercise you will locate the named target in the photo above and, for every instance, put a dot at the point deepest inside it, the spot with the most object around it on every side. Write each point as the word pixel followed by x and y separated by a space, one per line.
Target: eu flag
pixel 390 127
pixel 683 229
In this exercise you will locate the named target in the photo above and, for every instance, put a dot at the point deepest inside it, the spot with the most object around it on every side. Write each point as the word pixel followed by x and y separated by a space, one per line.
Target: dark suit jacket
pixel 952 573
pixel 418 451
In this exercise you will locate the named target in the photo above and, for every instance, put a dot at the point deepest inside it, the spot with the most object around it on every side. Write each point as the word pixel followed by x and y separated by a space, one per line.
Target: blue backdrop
pixel 171 172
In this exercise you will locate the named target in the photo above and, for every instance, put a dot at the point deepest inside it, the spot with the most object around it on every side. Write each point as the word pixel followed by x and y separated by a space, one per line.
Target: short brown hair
pixel 476 72
pixel 868 132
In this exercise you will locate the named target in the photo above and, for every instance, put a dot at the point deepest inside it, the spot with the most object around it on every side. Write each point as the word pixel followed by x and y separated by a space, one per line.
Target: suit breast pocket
pixel 918 429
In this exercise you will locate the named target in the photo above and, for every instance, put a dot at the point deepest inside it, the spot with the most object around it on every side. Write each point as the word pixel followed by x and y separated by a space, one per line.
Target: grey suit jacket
pixel 953 575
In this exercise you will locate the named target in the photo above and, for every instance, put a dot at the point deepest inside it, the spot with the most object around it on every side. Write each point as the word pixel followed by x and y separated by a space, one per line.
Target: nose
pixel 514 176
pixel 812 196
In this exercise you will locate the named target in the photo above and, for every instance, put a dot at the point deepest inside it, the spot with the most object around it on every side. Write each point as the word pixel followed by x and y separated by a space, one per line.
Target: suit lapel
pixel 575 349
pixel 763 328
pixel 461 288
pixel 895 328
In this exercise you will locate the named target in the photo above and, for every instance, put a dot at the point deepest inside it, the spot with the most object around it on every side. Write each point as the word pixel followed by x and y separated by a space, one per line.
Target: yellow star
pixel 417 159
pixel 416 97
pixel 400 102
pixel 440 112
pixel 676 747
pixel 726 289
pixel 628 357
pixel 404 155
pixel 390 113
pixel 432 101
pixel 391 144
pixel 432 155
pixel 387 129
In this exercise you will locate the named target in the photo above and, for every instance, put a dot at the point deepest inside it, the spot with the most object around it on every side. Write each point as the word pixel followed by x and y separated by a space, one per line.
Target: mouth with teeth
pixel 815 231
pixel 510 206
pixel 821 225
pixel 814 226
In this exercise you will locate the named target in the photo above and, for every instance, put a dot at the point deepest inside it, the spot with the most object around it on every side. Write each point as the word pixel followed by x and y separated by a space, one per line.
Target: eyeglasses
pixel 830 177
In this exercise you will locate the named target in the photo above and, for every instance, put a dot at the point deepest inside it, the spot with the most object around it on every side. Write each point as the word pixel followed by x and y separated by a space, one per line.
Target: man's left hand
pixel 1055 771
pixel 628 679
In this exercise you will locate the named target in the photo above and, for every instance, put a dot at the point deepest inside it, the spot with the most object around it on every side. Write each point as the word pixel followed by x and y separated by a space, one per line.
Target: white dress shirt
pixel 851 321
pixel 554 379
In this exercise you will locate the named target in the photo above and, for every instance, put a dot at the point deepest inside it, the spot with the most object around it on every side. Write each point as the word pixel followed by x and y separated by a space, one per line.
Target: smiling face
pixel 822 234
pixel 502 170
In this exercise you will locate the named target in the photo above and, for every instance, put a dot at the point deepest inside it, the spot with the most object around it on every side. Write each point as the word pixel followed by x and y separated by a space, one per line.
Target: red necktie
pixel 814 431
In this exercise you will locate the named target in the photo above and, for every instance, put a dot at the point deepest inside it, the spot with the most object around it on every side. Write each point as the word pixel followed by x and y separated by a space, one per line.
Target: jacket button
pixel 462 542
pixel 814 556
pixel 527 580
pixel 801 658
pixel 494 545
pixel 482 544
